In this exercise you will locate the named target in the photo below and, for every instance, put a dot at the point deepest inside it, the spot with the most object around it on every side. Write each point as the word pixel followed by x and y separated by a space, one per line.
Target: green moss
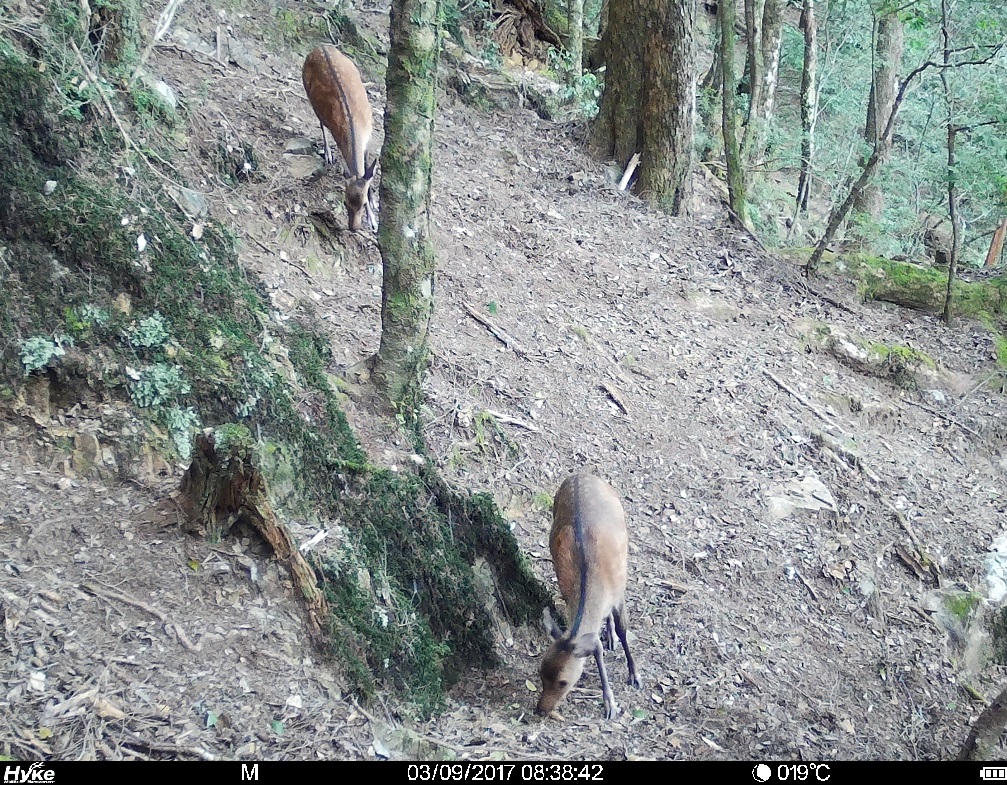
pixel 961 605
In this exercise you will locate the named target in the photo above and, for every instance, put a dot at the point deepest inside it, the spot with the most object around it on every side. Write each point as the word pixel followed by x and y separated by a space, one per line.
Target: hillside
pixel 652 351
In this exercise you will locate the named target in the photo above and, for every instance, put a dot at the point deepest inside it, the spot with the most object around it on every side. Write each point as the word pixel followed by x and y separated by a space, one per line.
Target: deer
pixel 589 545
pixel 332 83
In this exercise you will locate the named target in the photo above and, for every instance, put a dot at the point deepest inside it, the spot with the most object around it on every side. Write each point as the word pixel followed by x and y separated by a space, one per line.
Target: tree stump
pixel 222 487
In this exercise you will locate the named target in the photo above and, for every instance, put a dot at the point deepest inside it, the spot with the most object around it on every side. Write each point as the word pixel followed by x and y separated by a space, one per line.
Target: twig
pixel 634 161
pixel 174 749
pixel 513 420
pixel 499 333
pixel 111 595
pixel 163 23
pixel 814 409
pixel 945 417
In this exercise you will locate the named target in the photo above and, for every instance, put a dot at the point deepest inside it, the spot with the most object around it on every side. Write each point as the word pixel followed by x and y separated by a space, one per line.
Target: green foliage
pixel 157 384
pixel 182 427
pixel 38 351
pixel 583 91
pixel 150 332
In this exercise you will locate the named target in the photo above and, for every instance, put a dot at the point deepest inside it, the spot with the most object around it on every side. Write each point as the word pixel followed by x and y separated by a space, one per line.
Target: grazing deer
pixel 588 542
pixel 337 95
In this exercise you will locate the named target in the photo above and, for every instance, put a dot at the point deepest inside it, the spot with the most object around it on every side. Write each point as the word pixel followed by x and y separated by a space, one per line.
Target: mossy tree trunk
pixel 888 58
pixel 407 255
pixel 735 178
pixel 575 31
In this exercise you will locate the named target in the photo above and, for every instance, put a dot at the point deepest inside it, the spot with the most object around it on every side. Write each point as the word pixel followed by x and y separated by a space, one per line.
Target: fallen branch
pixel 811 407
pixel 499 333
pixel 634 162
pixel 500 416
pixel 114 596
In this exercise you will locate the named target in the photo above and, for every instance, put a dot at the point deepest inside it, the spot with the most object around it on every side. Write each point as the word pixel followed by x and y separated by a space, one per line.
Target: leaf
pixel 193 565
pixel 45 733
pixel 491 306
pixel 278 727
pixel 211 719
pixel 530 686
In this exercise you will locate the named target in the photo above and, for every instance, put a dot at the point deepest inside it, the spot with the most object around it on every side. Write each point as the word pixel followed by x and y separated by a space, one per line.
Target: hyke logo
pixel 19 775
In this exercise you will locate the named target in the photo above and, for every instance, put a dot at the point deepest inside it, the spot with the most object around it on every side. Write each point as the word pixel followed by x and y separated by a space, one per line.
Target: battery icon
pixel 993 773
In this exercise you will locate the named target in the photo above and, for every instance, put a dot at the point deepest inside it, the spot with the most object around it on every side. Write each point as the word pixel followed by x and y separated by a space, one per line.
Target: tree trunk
pixel 753 27
pixel 809 103
pixel 407 256
pixel 888 58
pixel 956 230
pixel 772 36
pixel 996 245
pixel 575 36
pixel 735 181
pixel 616 131
pixel 764 91
pixel 668 111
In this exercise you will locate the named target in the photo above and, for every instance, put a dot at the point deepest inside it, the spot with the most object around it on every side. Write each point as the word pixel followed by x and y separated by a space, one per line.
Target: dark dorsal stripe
pixel 344 100
pixel 578 540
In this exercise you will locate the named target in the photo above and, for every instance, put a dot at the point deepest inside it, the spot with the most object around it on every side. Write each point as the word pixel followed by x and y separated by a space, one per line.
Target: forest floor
pixel 674 358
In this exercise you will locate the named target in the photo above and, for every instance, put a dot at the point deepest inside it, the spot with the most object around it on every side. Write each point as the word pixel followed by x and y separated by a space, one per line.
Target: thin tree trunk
pixel 764 90
pixel 956 231
pixel 668 110
pixel 753 21
pixel 735 181
pixel 888 58
pixel 407 256
pixel 772 36
pixel 809 103
pixel 575 33
pixel 996 245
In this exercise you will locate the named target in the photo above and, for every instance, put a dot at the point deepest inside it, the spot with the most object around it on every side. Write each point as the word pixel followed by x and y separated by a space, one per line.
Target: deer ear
pixel 347 173
pixel 585 644
pixel 369 171
pixel 550 626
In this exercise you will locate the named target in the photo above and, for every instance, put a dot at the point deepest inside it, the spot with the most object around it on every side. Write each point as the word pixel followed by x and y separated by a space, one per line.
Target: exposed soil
pixel 644 349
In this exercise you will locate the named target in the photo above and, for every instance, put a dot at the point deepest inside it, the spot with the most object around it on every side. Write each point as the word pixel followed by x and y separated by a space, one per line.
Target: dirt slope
pixel 644 349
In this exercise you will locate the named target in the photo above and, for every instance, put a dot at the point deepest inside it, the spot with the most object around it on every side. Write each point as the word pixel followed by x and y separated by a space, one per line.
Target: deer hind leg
pixel 620 627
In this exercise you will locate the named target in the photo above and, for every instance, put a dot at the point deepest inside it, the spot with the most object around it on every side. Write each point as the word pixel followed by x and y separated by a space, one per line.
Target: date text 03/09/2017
pixel 505 772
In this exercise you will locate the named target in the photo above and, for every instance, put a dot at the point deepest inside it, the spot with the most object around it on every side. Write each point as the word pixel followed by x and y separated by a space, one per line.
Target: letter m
pixel 249 773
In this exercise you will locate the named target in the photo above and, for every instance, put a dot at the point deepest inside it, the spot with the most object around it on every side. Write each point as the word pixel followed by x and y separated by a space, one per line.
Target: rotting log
pixel 222 487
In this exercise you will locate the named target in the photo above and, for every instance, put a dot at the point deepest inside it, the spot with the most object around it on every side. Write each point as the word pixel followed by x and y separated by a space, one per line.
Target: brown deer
pixel 337 95
pixel 589 546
